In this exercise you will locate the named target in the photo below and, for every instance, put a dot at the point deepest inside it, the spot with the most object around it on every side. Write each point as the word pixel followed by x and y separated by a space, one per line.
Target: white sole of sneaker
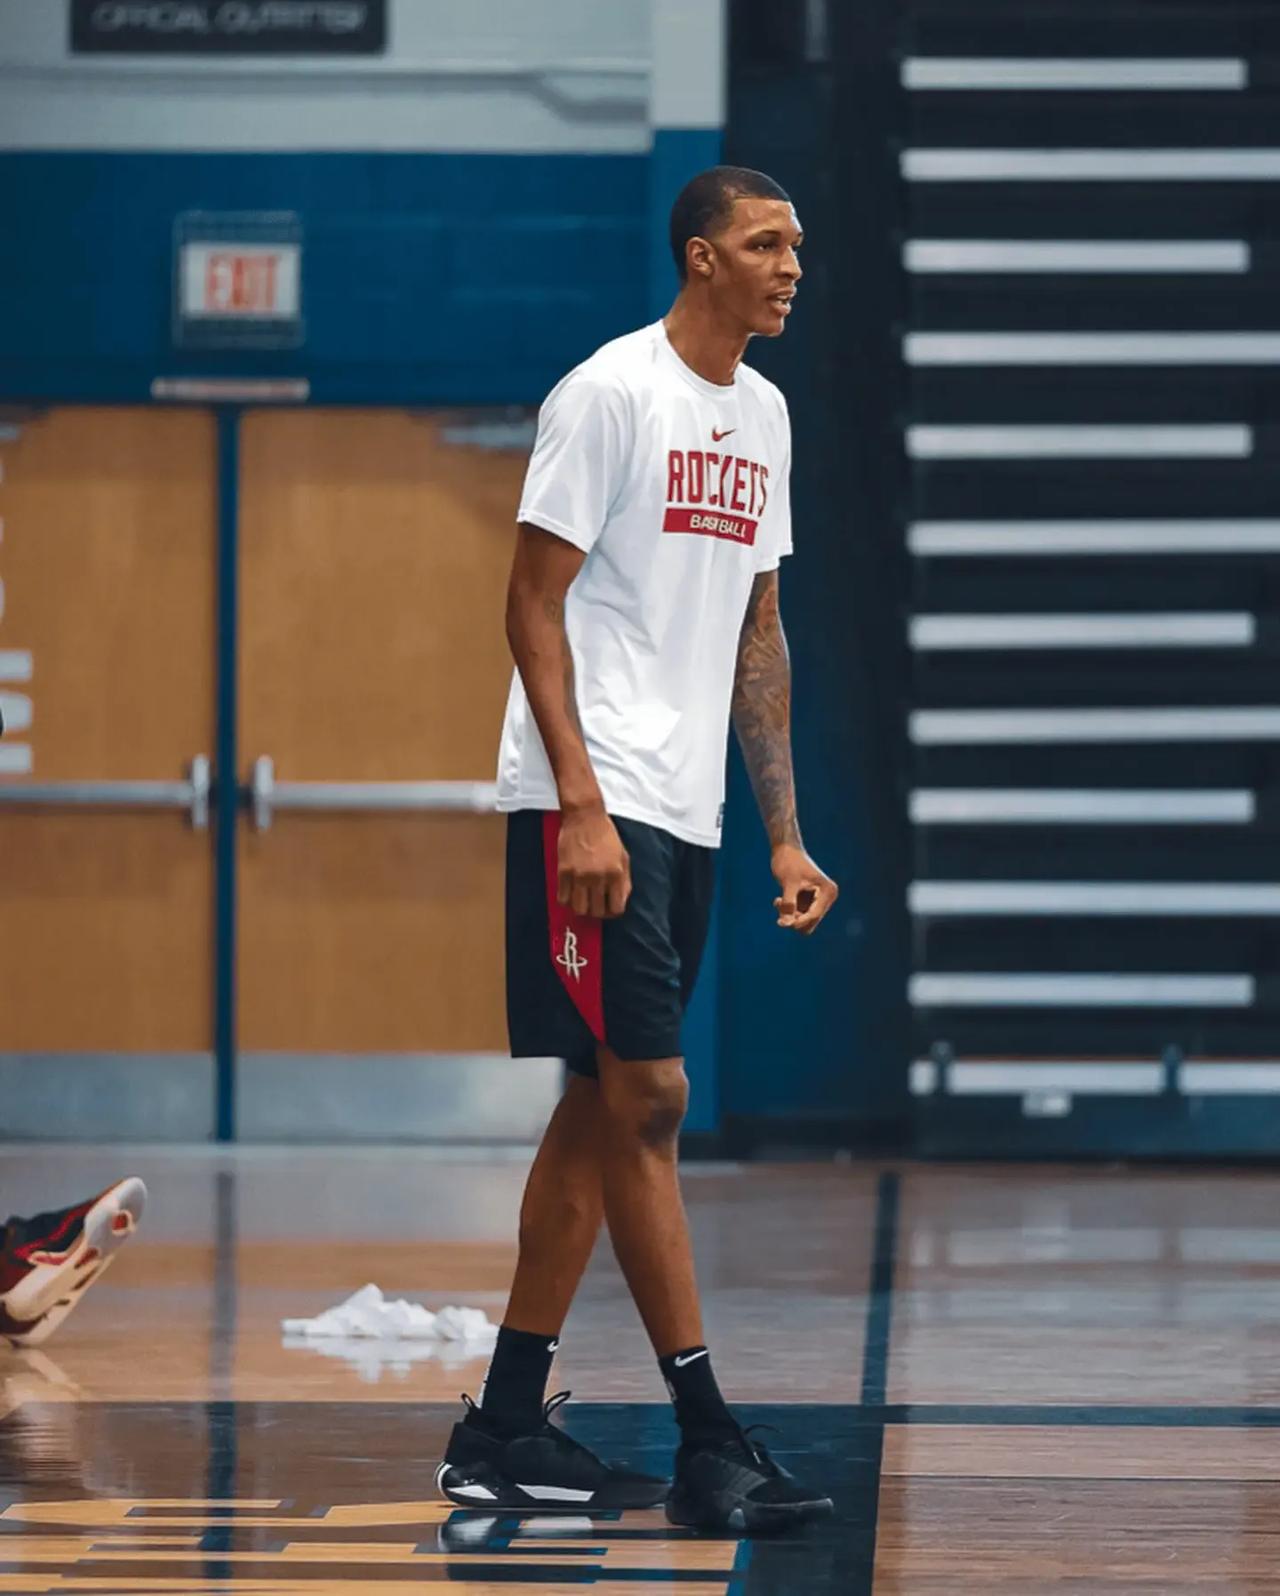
pixel 513 1497
pixel 55 1284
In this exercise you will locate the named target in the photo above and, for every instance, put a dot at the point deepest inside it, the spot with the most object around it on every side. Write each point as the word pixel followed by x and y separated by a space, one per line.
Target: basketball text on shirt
pixel 733 490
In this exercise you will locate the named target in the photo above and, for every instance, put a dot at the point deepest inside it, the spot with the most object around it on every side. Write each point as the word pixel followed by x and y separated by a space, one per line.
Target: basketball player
pixel 642 613
pixel 49 1261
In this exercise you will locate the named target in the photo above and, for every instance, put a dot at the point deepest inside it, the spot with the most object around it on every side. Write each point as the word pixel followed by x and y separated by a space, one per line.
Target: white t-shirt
pixel 677 490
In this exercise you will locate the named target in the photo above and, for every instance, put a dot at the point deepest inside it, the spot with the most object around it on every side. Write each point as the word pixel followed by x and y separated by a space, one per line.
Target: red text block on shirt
pixel 710 524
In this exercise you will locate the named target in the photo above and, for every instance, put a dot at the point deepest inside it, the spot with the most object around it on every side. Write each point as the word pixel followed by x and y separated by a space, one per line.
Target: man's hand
pixel 594 867
pixel 806 893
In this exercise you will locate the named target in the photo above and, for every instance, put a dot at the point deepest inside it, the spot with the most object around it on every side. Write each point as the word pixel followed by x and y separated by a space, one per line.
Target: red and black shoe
pixel 48 1262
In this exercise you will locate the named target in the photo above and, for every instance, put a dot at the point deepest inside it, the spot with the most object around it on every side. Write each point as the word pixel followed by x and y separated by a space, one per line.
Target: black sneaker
pixel 735 1485
pixel 546 1471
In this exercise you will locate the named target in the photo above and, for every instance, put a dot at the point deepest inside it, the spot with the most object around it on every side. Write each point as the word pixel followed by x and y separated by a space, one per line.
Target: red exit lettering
pixel 244 284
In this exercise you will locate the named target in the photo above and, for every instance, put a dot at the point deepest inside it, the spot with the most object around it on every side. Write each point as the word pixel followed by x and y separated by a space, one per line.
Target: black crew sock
pixel 700 1409
pixel 512 1395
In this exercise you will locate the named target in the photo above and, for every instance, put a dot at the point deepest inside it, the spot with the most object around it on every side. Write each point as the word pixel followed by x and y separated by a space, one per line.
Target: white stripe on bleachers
pixel 1058 898
pixel 981 1076
pixel 1012 72
pixel 1081 991
pixel 1199 1078
pixel 1091 349
pixel 15 665
pixel 952 538
pixel 943 727
pixel 1227 1075
pixel 1088 165
pixel 1073 255
pixel 1189 630
pixel 1078 442
pixel 1079 806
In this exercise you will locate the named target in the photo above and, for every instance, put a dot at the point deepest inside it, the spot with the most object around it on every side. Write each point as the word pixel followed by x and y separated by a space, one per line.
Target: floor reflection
pixel 1064 1354
pixel 299 1497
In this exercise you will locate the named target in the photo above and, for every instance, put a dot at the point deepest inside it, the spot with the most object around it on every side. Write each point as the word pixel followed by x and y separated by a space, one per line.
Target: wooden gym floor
pixel 1013 1380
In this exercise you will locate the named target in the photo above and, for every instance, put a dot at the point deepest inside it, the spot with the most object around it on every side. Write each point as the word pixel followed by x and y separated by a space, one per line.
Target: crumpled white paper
pixel 369 1314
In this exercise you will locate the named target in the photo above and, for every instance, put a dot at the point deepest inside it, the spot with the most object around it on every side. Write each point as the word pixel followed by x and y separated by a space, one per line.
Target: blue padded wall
pixel 427 279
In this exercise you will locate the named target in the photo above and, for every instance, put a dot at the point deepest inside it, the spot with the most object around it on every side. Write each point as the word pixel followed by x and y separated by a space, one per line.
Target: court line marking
pixel 875 1378
pixel 222 1465
pixel 1104 1415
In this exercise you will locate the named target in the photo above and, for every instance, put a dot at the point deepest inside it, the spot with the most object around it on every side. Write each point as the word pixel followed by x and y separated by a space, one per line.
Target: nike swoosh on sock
pixel 693 1357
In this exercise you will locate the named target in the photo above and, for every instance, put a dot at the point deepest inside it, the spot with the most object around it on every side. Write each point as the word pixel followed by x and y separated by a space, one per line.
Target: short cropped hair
pixel 705 204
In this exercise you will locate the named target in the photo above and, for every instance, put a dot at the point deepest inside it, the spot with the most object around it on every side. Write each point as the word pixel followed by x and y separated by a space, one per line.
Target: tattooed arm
pixel 595 876
pixel 762 719
pixel 762 712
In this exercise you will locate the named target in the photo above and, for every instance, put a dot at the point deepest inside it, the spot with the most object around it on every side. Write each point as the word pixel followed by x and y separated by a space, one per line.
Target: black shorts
pixel 574 983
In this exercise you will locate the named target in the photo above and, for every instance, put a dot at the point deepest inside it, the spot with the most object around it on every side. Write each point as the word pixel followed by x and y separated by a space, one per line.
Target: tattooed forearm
pixel 762 712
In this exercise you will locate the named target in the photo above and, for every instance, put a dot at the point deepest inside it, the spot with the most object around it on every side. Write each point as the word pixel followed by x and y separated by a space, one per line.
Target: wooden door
pixel 375 549
pixel 107 654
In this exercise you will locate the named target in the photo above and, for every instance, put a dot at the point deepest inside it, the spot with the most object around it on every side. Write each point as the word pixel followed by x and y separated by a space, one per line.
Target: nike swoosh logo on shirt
pixel 693 1356
pixel 716 436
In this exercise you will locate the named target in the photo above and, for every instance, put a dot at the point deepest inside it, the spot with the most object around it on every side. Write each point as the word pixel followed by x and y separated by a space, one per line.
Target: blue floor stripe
pixel 875 1379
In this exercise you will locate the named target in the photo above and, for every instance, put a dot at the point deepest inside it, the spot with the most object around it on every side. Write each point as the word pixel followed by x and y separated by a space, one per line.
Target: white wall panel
pixel 689 62
pixel 541 76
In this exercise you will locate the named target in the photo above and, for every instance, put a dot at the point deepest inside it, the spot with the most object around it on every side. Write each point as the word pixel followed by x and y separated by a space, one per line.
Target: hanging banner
pixel 228 27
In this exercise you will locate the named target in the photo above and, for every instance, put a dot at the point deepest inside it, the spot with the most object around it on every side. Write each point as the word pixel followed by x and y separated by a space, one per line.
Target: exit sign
pixel 238 281
pixel 241 281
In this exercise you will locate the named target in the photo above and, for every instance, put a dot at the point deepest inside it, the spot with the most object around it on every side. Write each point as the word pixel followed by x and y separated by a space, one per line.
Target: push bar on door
pixel 365 797
pixel 191 795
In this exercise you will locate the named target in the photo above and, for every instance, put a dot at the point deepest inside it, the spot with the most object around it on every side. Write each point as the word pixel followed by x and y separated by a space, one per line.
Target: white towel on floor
pixel 369 1315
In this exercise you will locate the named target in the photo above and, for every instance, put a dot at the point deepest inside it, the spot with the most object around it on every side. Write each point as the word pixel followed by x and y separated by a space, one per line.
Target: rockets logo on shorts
pixel 715 495
pixel 569 958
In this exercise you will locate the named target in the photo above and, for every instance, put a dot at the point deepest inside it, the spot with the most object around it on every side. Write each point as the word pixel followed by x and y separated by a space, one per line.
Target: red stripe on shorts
pixel 577 941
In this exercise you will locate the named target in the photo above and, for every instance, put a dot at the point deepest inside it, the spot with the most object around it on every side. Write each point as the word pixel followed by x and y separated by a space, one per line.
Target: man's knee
pixel 646 1101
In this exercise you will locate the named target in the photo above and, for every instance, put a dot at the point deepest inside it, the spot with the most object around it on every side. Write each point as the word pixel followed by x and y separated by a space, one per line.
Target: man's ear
pixel 700 258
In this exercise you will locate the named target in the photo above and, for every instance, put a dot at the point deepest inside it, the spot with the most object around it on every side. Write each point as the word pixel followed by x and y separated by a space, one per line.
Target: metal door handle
pixel 364 797
pixel 191 795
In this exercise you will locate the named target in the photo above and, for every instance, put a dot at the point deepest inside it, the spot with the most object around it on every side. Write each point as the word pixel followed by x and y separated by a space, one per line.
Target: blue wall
pixel 480 279
pixel 427 279
pixel 813 1032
